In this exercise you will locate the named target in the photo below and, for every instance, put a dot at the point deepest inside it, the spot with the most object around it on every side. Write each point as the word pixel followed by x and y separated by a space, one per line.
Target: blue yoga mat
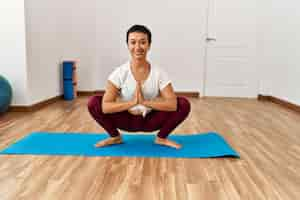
pixel 203 145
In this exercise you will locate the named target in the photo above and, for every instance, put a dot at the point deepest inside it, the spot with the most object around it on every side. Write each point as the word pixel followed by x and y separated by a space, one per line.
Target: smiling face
pixel 138 45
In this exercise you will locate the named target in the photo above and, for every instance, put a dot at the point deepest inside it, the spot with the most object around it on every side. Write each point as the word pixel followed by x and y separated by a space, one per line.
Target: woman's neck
pixel 138 64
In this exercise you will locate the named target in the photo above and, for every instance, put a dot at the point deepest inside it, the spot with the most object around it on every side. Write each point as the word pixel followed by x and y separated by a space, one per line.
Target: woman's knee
pixel 183 105
pixel 94 103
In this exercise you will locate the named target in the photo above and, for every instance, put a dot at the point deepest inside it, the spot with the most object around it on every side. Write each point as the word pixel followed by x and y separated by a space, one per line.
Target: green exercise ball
pixel 5 94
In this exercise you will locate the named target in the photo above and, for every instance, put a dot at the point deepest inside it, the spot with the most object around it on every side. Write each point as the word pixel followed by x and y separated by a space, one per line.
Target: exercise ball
pixel 5 94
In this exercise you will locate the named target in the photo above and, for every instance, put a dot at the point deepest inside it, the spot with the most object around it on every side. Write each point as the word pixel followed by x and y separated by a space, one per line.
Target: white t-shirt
pixel 124 80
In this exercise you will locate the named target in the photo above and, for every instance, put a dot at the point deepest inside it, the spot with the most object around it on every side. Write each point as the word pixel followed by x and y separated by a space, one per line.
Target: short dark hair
pixel 141 29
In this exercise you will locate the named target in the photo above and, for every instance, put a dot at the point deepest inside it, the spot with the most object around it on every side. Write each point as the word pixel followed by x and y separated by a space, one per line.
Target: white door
pixel 230 69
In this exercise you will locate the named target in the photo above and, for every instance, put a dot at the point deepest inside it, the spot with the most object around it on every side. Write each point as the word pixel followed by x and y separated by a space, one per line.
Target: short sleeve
pixel 115 77
pixel 164 79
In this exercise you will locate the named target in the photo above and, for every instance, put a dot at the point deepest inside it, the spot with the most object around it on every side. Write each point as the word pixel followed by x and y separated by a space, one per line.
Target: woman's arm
pixel 167 102
pixel 109 103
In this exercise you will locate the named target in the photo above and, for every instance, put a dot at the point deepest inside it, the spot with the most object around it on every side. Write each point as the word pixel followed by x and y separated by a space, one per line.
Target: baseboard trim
pixel 90 93
pixel 46 102
pixel 42 104
pixel 36 106
pixel 188 94
pixel 279 101
pixel 101 92
pixel 263 97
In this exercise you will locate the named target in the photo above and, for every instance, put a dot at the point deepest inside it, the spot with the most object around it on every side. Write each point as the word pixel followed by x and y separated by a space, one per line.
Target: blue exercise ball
pixel 5 94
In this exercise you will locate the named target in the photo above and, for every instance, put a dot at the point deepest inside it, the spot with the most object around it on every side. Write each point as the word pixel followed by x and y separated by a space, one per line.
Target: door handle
pixel 211 39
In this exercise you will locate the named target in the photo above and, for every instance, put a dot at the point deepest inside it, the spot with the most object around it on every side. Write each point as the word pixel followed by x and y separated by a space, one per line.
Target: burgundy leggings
pixel 164 121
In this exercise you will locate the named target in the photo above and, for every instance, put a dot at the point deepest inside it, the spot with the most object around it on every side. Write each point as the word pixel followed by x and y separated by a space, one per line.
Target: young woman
pixel 139 96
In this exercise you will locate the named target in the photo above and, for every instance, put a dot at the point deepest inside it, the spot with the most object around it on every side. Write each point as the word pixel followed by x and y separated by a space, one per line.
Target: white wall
pixel 12 49
pixel 95 33
pixel 178 30
pixel 59 30
pixel 279 49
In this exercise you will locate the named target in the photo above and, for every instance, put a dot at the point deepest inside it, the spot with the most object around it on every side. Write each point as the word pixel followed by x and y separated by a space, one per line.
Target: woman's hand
pixel 136 96
pixel 137 99
pixel 139 93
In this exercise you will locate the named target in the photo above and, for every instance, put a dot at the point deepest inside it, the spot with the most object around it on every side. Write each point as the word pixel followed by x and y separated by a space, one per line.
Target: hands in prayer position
pixel 138 99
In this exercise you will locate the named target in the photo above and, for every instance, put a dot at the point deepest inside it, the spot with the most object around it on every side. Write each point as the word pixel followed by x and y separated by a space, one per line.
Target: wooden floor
pixel 266 135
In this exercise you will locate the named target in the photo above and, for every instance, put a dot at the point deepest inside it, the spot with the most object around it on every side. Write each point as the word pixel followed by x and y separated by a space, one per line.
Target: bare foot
pixel 167 142
pixel 109 141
